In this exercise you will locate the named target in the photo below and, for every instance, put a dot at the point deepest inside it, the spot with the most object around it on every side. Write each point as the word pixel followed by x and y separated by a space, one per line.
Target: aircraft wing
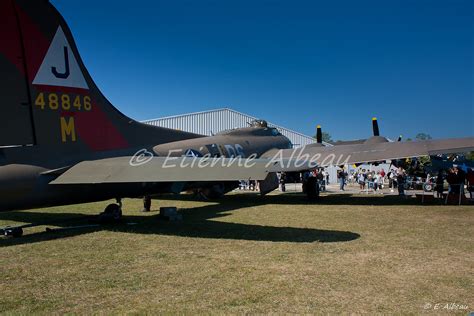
pixel 310 157
pixel 194 169
pixel 163 169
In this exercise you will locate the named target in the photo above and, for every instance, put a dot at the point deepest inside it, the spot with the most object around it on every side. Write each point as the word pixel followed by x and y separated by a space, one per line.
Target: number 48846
pixel 55 101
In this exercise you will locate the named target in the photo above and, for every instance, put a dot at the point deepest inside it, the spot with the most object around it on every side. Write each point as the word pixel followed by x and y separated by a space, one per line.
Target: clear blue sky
pixel 294 63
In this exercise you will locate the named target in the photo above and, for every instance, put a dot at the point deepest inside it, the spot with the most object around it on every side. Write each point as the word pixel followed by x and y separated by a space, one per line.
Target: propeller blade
pixel 375 126
pixel 319 135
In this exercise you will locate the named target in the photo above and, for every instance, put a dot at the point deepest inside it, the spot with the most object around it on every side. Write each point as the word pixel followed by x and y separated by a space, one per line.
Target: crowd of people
pixel 455 179
pixel 373 180
pixel 249 185
pixel 397 178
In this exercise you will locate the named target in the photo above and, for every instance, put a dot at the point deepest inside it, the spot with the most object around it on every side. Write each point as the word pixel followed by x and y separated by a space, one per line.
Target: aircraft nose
pixel 286 142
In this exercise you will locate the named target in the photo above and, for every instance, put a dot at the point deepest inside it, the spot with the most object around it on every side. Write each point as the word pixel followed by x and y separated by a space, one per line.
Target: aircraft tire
pixel 112 213
pixel 312 188
pixel 427 187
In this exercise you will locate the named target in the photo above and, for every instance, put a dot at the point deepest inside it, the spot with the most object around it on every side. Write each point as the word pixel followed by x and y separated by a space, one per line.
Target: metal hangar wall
pixel 214 121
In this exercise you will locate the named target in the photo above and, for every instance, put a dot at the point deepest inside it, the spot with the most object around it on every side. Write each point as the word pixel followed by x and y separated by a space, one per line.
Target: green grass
pixel 243 254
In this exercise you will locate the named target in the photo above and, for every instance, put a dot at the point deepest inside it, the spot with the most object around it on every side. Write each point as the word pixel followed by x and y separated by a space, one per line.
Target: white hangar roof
pixel 214 121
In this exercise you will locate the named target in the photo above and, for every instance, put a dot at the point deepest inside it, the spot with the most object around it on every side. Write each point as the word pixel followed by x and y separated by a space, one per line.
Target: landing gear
pixel 146 203
pixel 311 188
pixel 112 213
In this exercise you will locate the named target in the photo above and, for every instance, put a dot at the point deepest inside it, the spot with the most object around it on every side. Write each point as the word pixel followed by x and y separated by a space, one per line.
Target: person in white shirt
pixel 361 180
pixel 378 182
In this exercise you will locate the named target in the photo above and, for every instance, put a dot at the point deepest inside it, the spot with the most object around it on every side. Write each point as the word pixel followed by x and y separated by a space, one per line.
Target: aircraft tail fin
pixel 48 96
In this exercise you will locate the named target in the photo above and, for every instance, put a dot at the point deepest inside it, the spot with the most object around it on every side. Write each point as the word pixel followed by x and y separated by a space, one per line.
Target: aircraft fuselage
pixel 25 172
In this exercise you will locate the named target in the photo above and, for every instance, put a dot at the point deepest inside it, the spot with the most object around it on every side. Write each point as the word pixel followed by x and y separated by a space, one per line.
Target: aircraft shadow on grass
pixel 199 222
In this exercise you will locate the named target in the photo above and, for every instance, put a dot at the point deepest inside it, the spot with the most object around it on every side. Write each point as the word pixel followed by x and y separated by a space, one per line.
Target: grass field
pixel 244 254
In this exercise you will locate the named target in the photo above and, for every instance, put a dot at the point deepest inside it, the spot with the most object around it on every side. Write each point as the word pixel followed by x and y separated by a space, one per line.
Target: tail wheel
pixel 113 212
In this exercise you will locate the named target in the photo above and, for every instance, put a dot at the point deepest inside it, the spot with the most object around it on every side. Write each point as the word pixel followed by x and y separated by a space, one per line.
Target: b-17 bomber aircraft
pixel 62 142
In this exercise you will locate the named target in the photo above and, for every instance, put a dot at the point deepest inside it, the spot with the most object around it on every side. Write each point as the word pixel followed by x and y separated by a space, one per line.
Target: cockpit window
pixel 275 132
